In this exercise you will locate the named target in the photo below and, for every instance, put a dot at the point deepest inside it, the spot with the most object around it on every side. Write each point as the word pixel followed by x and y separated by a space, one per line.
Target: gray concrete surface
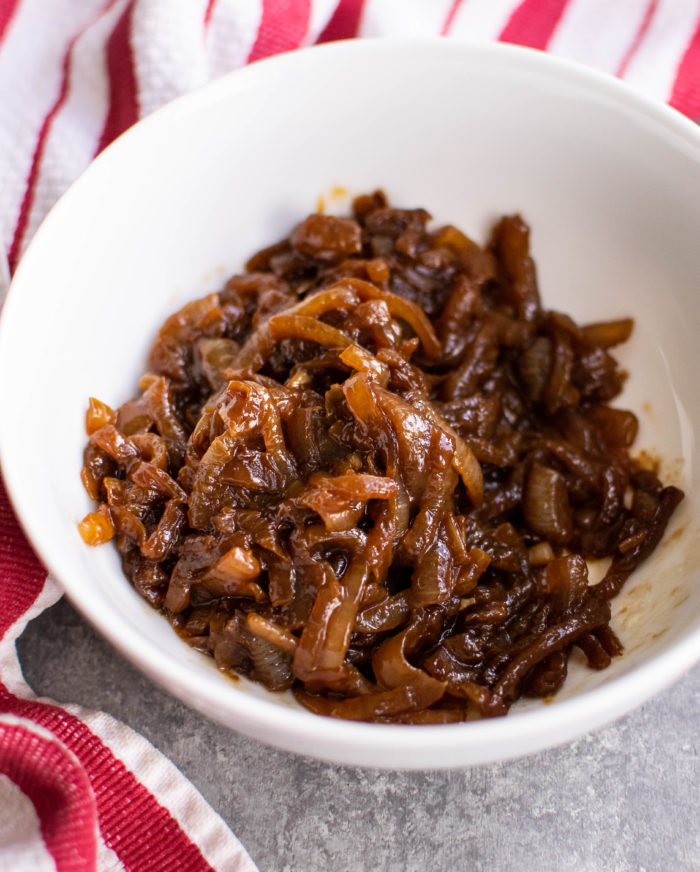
pixel 623 799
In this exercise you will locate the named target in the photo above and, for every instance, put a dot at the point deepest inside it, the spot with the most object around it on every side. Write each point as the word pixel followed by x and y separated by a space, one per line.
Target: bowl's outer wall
pixel 611 187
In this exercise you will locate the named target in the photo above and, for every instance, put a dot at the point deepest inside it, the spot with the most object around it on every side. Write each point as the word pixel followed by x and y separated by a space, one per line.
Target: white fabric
pixel 20 837
pixel 654 65
pixel 217 844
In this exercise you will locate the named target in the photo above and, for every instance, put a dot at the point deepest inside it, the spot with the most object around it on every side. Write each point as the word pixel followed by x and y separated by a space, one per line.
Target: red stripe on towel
pixel 685 95
pixel 123 100
pixel 140 831
pixel 345 21
pixel 533 23
pixel 445 29
pixel 283 26
pixel 638 37
pixel 22 576
pixel 7 11
pixel 60 792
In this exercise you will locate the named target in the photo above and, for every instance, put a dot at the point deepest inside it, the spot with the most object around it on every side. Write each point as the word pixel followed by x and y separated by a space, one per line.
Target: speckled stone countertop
pixel 623 799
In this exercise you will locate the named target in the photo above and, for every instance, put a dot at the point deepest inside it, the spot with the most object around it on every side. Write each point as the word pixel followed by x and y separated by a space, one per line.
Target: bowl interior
pixel 610 188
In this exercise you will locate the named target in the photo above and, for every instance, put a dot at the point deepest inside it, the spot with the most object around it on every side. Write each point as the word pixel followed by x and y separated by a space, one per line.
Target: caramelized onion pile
pixel 372 469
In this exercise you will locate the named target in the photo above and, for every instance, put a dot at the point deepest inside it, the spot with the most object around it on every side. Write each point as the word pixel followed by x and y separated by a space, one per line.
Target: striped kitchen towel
pixel 78 790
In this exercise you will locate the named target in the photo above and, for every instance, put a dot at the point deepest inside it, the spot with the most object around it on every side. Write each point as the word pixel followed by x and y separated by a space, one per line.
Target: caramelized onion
pixel 311 329
pixel 372 469
pixel 546 504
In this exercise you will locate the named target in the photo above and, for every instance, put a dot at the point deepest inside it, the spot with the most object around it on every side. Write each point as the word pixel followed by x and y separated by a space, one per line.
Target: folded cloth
pixel 78 790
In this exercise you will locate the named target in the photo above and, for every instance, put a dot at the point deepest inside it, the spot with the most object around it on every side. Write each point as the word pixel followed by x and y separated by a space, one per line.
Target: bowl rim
pixel 338 740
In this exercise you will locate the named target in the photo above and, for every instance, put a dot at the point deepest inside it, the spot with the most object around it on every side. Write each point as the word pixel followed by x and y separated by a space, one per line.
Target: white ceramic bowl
pixel 611 186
